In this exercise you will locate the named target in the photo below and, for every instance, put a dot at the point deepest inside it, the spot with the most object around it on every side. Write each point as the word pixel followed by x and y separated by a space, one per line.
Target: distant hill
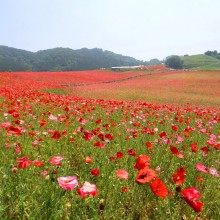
pixel 62 59
pixel 201 62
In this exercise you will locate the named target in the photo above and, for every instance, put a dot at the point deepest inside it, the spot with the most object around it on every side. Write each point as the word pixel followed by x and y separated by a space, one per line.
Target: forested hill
pixel 61 59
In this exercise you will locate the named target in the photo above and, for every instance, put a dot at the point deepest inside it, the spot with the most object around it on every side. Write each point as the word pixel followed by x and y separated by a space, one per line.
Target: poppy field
pixel 101 155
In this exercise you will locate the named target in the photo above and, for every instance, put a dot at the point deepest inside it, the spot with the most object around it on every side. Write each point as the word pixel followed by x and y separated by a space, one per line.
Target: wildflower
pixel 56 135
pixel 87 189
pixel 88 159
pixel 68 182
pixel 213 171
pixel 23 162
pixel 38 163
pixel 44 173
pixel 99 144
pixel 142 161
pixel 119 155
pixel 14 169
pixel 158 188
pixel 178 178
pixel 132 152
pixel 201 168
pixel 124 189
pixel 122 174
pixel 56 160
pixel 94 172
pixel 145 175
pixel 42 123
pixel 191 196
pixel 149 145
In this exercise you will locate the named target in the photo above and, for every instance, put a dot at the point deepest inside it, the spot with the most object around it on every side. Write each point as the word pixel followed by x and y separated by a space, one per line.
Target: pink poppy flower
pixel 87 189
pixel 122 174
pixel 201 168
pixel 5 124
pixel 44 173
pixel 56 160
pixel 213 171
pixel 68 182
pixel 52 117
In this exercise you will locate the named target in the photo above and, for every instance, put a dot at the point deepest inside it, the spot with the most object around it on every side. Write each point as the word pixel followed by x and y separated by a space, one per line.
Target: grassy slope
pixel 201 62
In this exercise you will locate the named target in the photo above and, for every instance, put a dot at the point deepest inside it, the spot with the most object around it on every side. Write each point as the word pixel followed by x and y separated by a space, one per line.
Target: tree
pixel 174 62
pixel 213 53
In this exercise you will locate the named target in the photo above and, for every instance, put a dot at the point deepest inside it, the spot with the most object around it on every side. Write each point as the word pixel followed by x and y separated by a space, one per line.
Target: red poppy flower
pixel 145 175
pixel 149 145
pixel 196 205
pixel 109 136
pixel 42 123
pixel 174 150
pixel 112 159
pixel 38 163
pixel 163 134
pixel 56 135
pixel 174 127
pixel 181 170
pixel 119 155
pixel 23 162
pixel 158 188
pixel 88 159
pixel 99 144
pixel 88 136
pixel 142 162
pixel 193 147
pixel 191 194
pixel 178 178
pixel 101 137
pixel 132 152
pixel 94 172
pixel 124 189
pixel 200 179
pixel 98 121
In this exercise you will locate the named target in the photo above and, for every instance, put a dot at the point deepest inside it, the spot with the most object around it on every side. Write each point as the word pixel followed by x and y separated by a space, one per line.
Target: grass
pixel 201 62
pixel 57 91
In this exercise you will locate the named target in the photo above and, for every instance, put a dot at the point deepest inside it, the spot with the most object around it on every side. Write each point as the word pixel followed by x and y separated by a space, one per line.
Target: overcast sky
pixel 143 29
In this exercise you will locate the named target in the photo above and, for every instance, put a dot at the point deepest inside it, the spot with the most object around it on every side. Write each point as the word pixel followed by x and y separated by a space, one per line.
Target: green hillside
pixel 201 62
pixel 61 59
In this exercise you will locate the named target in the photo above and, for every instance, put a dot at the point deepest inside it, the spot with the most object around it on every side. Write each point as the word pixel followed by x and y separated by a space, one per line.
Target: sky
pixel 143 29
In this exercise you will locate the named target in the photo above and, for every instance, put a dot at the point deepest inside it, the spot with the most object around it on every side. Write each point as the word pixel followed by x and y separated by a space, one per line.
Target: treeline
pixel 64 59
pixel 213 53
